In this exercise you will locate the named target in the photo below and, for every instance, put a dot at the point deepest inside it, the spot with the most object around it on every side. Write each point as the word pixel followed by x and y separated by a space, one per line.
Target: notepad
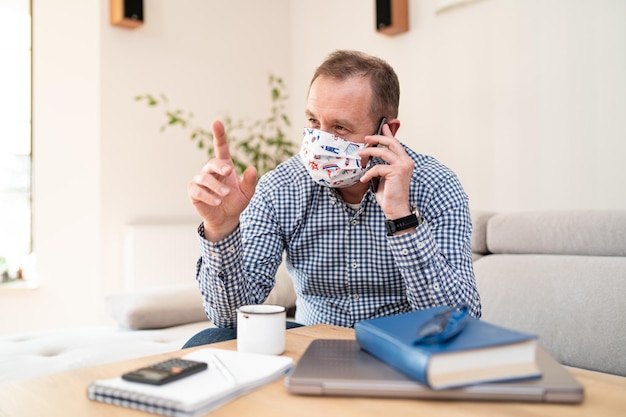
pixel 229 375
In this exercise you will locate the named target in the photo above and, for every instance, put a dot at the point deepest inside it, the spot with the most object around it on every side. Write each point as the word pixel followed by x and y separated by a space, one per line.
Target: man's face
pixel 341 107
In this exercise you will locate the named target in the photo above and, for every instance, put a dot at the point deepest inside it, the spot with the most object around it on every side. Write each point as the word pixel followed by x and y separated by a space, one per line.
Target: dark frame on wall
pixel 127 13
pixel 392 16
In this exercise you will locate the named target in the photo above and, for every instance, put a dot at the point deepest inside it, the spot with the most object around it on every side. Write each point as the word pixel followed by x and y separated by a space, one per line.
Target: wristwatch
pixel 412 220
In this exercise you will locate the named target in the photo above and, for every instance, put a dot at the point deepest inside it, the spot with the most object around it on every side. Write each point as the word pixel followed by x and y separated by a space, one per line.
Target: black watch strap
pixel 412 220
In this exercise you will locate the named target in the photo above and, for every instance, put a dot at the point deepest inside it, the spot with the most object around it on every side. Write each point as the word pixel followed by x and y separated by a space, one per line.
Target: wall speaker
pixel 392 16
pixel 127 13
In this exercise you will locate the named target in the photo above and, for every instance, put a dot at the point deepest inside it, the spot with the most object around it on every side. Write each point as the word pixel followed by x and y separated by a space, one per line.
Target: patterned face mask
pixel 331 160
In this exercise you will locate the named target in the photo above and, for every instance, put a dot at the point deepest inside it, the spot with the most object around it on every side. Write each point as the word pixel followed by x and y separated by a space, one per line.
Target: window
pixel 15 137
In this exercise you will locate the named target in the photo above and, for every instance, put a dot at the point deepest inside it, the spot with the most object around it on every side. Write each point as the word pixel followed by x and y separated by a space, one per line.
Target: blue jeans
pixel 221 334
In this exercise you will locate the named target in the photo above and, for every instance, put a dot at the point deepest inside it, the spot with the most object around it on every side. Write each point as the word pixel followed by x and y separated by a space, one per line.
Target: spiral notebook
pixel 229 375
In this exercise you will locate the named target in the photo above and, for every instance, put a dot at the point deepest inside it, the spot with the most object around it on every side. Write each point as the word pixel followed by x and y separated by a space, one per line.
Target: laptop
pixel 340 368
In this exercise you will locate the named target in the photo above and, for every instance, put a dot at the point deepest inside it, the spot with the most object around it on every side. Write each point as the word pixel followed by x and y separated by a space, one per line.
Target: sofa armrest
pixel 156 308
pixel 480 219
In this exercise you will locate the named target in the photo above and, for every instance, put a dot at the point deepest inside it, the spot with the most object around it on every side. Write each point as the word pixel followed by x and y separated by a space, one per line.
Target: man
pixel 369 227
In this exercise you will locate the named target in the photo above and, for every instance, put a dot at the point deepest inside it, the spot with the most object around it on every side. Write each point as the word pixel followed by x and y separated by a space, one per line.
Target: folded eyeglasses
pixel 443 326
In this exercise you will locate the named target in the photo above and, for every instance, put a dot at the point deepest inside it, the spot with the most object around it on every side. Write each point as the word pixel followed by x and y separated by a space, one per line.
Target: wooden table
pixel 64 394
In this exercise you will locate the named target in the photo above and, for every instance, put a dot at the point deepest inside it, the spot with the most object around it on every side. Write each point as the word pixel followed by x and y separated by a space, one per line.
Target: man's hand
pixel 395 176
pixel 217 193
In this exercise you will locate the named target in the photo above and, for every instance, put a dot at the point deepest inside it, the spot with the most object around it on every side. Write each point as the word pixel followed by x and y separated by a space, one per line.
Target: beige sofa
pixel 561 275
pixel 149 321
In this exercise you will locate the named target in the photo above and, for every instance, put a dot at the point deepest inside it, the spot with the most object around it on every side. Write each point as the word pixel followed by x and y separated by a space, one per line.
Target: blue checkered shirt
pixel 343 265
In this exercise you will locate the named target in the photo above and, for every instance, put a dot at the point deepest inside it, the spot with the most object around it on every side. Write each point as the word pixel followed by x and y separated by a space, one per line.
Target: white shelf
pixel 18 284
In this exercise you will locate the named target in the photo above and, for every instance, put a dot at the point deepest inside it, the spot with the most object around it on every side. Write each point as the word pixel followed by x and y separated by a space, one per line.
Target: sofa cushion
pixel 33 354
pixel 601 233
pixel 161 307
pixel 283 293
pixel 574 303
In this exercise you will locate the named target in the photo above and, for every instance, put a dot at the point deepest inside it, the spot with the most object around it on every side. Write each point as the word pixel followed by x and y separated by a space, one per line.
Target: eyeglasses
pixel 443 326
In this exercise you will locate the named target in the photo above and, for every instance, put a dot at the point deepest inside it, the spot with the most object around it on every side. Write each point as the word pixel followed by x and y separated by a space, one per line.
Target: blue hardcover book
pixel 476 352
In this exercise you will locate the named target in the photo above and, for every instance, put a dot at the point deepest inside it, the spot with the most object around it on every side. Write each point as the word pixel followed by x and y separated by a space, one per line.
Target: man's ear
pixel 394 125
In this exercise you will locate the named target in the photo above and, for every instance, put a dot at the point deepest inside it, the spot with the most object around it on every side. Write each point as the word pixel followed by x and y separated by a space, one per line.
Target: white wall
pixel 66 147
pixel 525 100
pixel 101 162
pixel 209 57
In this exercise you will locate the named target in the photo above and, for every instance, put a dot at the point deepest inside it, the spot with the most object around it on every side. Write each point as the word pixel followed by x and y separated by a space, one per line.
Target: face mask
pixel 331 160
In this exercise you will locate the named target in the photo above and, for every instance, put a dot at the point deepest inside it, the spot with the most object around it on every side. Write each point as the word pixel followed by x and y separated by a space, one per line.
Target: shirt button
pixel 436 286
pixel 356 296
pixel 354 222
pixel 354 265
pixel 420 245
pixel 231 250
pixel 404 252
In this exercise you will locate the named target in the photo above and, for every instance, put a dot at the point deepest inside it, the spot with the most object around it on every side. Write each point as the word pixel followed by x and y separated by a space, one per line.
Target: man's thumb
pixel 248 183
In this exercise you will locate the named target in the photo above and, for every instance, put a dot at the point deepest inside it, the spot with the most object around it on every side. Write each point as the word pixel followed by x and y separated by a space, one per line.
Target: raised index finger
pixel 219 141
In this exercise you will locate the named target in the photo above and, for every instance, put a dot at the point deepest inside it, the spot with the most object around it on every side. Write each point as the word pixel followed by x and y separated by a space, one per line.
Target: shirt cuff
pixel 222 254
pixel 414 249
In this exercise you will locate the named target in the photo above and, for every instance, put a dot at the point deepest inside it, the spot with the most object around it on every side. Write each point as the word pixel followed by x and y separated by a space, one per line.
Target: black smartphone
pixel 166 371
pixel 383 122
pixel 375 181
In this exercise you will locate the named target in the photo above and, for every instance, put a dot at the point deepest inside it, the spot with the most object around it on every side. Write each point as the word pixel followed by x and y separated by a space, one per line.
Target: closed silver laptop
pixel 340 368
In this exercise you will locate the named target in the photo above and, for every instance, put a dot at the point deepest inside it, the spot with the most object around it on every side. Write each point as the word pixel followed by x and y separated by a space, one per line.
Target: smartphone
pixel 375 181
pixel 383 122
pixel 166 371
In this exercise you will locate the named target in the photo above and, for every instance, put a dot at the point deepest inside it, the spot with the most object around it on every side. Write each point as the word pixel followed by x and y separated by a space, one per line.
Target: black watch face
pixel 390 225
pixel 404 223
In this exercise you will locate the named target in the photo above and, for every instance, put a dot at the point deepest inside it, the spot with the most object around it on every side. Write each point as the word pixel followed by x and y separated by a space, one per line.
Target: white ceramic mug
pixel 261 329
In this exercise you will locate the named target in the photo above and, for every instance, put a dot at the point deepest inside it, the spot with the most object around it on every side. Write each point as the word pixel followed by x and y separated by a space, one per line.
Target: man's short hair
pixel 343 64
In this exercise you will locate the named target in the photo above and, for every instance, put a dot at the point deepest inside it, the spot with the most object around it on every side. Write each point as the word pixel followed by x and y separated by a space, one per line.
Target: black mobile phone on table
pixel 375 181
pixel 167 371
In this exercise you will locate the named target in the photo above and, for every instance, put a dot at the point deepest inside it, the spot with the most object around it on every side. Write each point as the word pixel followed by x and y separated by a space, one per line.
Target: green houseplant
pixel 260 143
